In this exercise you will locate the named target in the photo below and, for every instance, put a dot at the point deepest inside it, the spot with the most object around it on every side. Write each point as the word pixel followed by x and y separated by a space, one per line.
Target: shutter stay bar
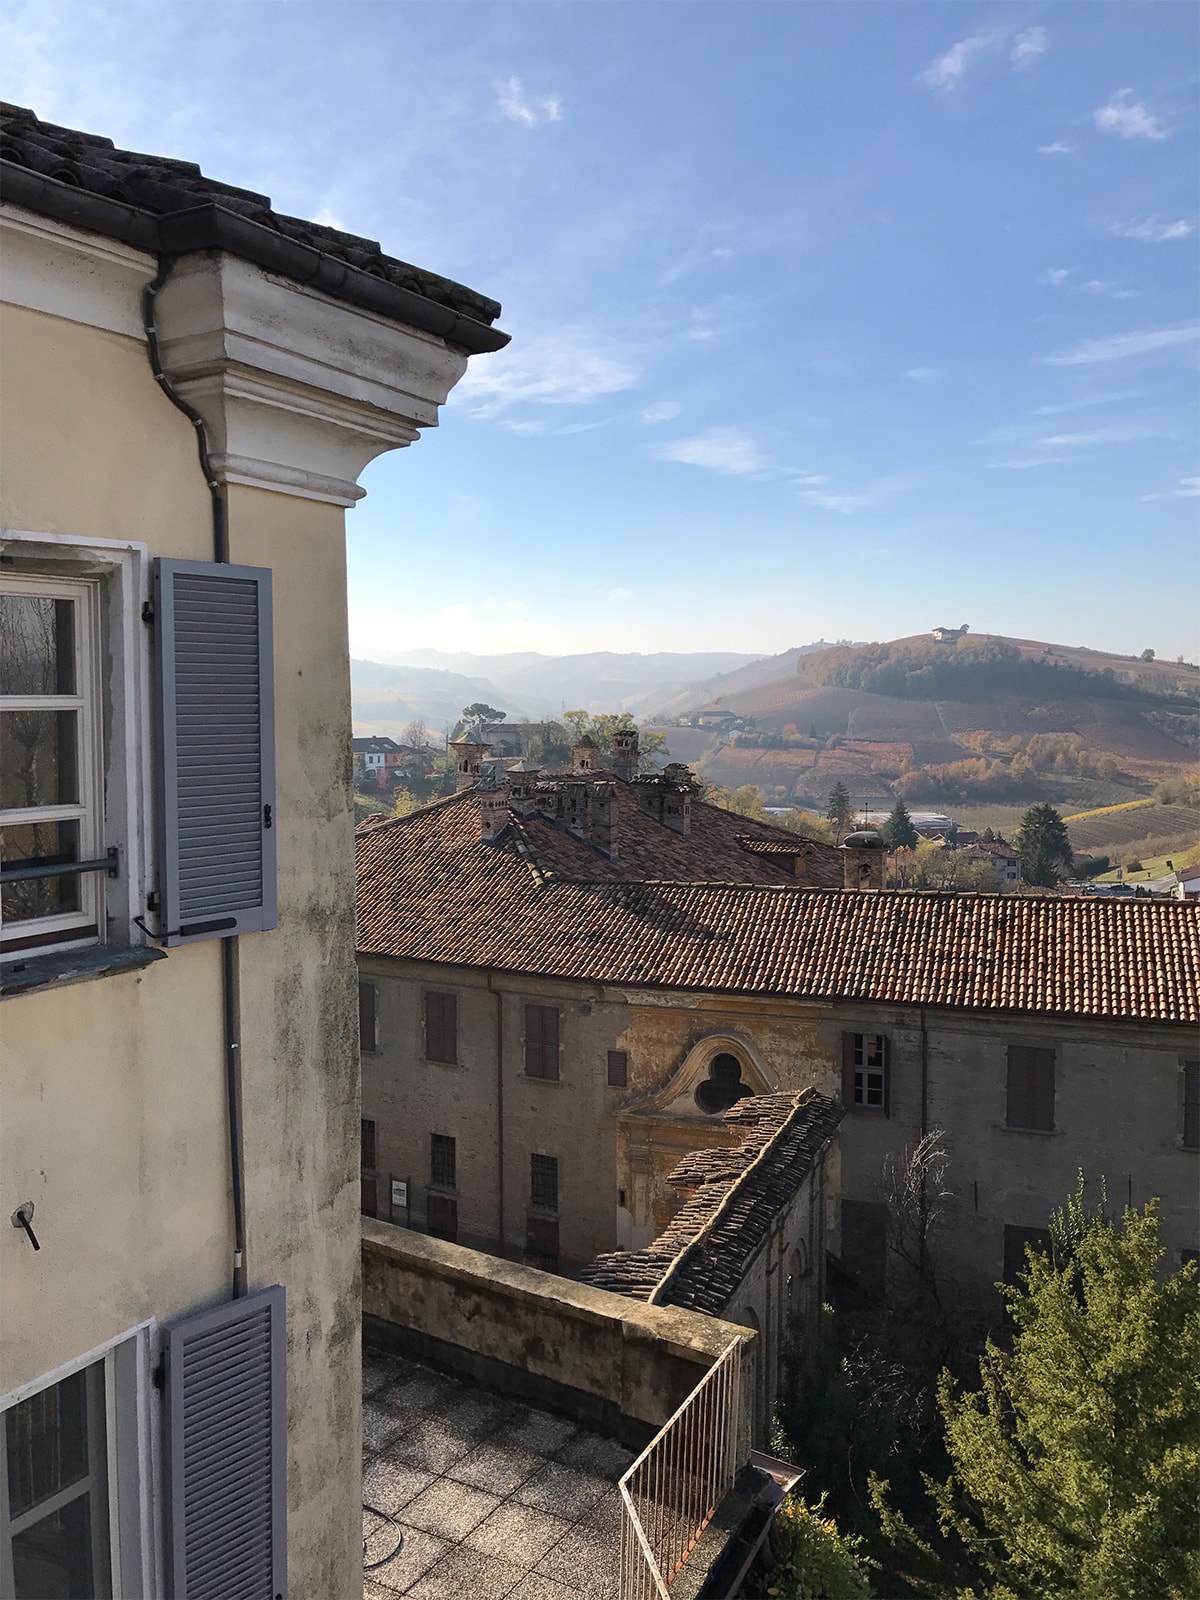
pixel 109 862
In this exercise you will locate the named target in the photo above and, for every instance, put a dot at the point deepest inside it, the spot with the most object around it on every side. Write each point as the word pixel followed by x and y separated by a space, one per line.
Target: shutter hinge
pixel 266 816
pixel 159 1376
pixel 147 613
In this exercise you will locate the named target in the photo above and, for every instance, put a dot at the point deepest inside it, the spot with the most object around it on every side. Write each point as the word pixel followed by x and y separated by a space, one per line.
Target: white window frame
pixel 116 573
pixel 131 1465
pixel 46 932
pixel 866 1046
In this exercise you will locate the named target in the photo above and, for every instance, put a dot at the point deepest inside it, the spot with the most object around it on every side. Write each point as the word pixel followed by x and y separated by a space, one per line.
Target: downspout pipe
pixel 230 997
pixel 498 996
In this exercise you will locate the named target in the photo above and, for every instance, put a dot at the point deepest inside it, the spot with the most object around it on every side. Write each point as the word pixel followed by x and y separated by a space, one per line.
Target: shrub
pixel 1133 866
pixel 814 1561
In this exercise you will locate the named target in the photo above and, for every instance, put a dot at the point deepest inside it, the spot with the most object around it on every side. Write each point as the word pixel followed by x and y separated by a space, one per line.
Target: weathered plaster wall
pixel 621 1360
pixel 113 1115
pixel 1117 1115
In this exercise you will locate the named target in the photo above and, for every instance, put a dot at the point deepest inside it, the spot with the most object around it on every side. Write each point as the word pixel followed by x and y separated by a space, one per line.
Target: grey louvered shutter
pixel 227 1451
pixel 217 748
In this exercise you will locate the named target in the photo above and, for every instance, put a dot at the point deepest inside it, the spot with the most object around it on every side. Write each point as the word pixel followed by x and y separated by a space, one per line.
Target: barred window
pixel 543 1182
pixel 443 1161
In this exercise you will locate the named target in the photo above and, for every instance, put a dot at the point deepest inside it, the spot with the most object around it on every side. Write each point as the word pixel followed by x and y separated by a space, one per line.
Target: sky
pixel 830 318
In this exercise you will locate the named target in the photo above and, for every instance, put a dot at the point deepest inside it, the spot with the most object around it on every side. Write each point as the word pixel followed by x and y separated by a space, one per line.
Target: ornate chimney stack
pixel 625 754
pixel 493 813
pixel 522 784
pixel 585 755
pixel 604 819
pixel 468 755
pixel 864 860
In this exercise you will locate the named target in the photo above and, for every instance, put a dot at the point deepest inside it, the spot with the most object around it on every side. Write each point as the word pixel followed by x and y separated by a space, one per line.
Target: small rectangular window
pixel 443 1161
pixel 441 1027
pixel 865 1072
pixel 368 1032
pixel 1191 1105
pixel 1030 1089
pixel 543 1182
pixel 441 1216
pixel 618 1069
pixel 541 1042
pixel 1015 1242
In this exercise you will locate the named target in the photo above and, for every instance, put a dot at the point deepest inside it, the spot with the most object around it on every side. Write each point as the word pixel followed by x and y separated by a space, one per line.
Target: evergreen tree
pixel 1043 846
pixel 839 810
pixel 1076 1465
pixel 898 830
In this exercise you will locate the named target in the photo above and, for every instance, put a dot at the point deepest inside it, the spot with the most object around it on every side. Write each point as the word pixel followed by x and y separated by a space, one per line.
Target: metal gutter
pixel 210 226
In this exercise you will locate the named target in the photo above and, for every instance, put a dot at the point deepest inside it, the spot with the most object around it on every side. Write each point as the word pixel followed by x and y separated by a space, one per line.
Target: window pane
pixel 37 759
pixel 36 844
pixel 46 1440
pixel 52 1560
pixel 37 645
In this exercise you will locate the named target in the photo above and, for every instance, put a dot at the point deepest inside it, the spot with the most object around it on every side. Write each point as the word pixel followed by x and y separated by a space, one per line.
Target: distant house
pixel 1001 855
pixel 1187 883
pixel 944 635
pixel 383 757
pixel 717 718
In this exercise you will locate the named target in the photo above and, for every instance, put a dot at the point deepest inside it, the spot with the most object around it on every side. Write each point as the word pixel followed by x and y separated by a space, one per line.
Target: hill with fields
pixel 981 724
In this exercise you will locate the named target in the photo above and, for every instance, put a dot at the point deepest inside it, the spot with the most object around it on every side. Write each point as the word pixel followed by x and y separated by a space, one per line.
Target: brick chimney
pixel 493 813
pixel 625 754
pixel 667 797
pixel 468 755
pixel 604 819
pixel 864 860
pixel 585 755
pixel 522 783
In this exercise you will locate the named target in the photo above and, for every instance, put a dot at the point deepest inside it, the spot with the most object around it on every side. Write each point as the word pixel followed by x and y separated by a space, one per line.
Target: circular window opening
pixel 723 1087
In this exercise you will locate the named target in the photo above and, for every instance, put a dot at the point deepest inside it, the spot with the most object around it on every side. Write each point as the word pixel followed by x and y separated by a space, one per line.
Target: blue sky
pixel 829 319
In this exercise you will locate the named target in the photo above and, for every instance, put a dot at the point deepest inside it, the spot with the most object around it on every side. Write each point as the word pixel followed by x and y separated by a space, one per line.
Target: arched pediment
pixel 716 1072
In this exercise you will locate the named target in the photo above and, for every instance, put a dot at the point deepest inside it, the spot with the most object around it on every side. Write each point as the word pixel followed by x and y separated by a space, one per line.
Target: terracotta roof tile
pixel 700 1260
pixel 428 890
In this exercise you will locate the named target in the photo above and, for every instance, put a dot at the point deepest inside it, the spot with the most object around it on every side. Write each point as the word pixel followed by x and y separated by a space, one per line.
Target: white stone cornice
pixel 298 391
pixel 64 272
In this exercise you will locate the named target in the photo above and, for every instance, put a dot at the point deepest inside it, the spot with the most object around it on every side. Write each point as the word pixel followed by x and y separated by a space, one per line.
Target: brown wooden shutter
pixel 864 1243
pixel 1191 1105
pixel 848 1071
pixel 1015 1241
pixel 887 1074
pixel 549 1042
pixel 368 1194
pixel 533 1041
pixel 1041 1090
pixel 367 1032
pixel 541 1239
pixel 1016 1112
pixel 441 1027
pixel 450 1027
pixel 441 1216
pixel 618 1069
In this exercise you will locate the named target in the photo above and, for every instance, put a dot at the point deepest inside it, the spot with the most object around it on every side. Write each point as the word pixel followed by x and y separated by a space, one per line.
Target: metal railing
pixel 671 1492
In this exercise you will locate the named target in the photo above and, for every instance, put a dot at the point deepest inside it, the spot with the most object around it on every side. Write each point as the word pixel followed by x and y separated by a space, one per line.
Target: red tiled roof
pixel 428 890
pixel 701 1259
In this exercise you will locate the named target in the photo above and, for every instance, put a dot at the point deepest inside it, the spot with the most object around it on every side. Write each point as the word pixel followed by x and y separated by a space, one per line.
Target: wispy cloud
pixel 925 374
pixel 1121 346
pixel 1185 489
pixel 1107 288
pixel 662 411
pixel 1152 231
pixel 1057 148
pixel 1028 46
pixel 1128 118
pixel 721 449
pixel 1085 402
pixel 618 594
pixel 529 111
pixel 568 366
pixel 949 70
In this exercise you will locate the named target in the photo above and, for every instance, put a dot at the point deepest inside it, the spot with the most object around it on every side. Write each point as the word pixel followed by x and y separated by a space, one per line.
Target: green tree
pixel 946 869
pixel 477 720
pixel 813 1559
pixel 1043 846
pixel 898 830
pixel 746 801
pixel 1076 1464
pixel 839 810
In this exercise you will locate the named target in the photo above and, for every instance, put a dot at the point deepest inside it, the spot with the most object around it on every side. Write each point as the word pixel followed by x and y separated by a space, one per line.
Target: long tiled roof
pixel 168 206
pixel 701 1259
pixel 428 890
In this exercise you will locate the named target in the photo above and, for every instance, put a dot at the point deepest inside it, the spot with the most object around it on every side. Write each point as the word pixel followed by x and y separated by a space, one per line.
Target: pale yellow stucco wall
pixel 112 1116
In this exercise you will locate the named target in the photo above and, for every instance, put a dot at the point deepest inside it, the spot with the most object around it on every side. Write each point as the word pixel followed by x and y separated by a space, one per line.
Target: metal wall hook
pixel 22 1217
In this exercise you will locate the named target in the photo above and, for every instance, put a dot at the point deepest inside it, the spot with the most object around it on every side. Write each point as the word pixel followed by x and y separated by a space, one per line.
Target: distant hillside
pixel 978 719
pixel 756 674
pixel 386 698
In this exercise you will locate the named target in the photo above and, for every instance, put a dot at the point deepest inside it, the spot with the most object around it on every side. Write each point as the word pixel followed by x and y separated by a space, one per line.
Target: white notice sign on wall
pixel 399 1192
